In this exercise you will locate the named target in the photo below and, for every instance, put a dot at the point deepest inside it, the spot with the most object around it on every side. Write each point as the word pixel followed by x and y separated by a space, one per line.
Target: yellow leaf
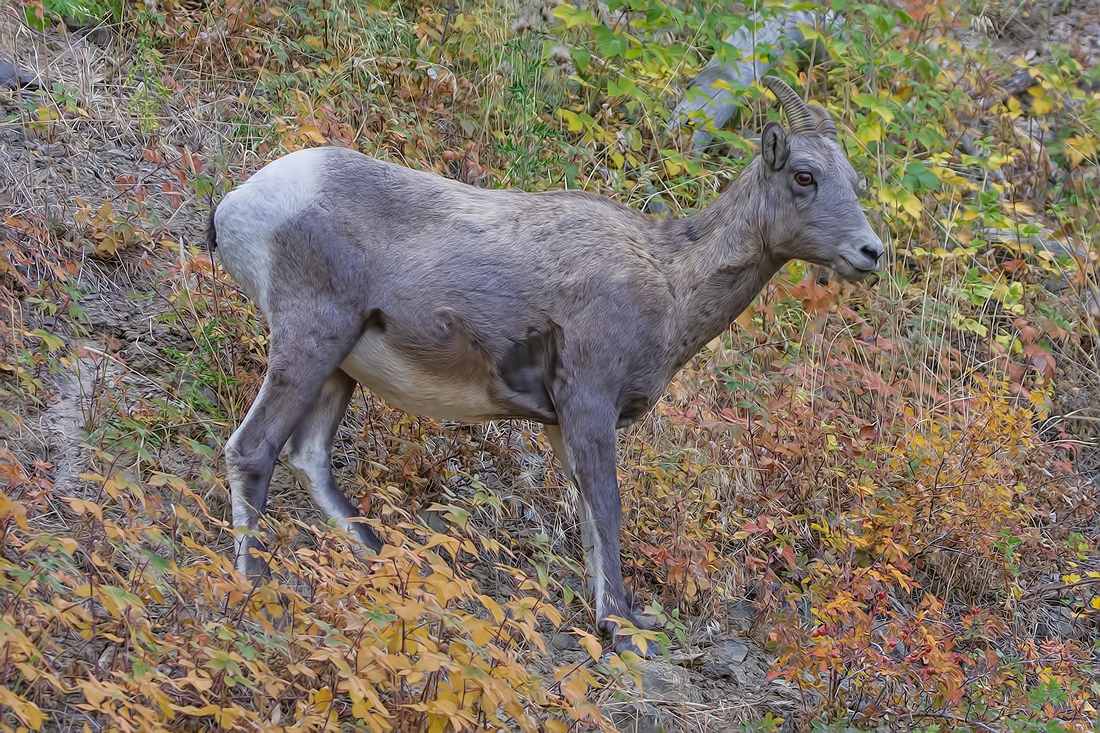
pixel 1021 209
pixel 312 133
pixel 361 709
pixel 27 711
pixel 1095 603
pixel 575 688
pixel 480 632
pixel 552 614
pixel 1080 148
pixel 673 168
pixel 912 205
pixel 444 706
pixel 493 608
pixel 1042 105
pixel 869 133
pixel 591 644
pixel 555 726
pixel 571 120
pixel 322 697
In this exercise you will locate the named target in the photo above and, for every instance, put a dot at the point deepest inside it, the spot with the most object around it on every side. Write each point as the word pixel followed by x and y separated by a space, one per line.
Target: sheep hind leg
pixel 309 455
pixel 303 355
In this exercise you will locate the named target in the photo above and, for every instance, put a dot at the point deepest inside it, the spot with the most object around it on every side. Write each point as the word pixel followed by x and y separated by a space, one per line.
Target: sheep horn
pixel 801 119
pixel 825 124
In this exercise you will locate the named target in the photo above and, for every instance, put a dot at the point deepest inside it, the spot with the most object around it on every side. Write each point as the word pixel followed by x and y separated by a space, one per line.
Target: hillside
pixel 868 506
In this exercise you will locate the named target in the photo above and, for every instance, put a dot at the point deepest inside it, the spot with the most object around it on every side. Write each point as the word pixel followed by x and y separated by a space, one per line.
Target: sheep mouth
pixel 852 271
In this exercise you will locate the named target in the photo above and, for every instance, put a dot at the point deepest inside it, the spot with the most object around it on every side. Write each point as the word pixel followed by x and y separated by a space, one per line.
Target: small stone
pixel 668 683
pixel 731 651
pixel 666 689
pixel 563 642
pixel 724 659
pixel 741 617
pixel 12 77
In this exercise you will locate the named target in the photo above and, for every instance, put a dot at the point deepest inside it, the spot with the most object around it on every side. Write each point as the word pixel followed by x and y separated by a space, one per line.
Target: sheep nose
pixel 873 251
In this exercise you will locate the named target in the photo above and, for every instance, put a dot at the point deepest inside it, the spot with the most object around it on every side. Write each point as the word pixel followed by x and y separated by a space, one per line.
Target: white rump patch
pixel 250 214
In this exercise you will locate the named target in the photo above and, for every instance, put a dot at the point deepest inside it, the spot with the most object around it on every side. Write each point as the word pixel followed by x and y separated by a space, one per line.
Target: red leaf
pixel 1041 360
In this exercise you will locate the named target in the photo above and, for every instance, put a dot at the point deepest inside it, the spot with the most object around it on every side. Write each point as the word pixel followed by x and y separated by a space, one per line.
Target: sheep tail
pixel 211 233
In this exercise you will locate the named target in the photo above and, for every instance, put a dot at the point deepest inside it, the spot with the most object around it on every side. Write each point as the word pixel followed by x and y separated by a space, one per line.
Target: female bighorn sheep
pixel 455 302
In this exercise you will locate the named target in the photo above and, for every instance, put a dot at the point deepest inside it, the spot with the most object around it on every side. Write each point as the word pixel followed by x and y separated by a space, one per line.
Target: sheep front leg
pixel 585 445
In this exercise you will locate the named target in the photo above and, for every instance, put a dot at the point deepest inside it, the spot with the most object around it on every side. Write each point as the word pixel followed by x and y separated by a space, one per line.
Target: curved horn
pixel 825 124
pixel 802 120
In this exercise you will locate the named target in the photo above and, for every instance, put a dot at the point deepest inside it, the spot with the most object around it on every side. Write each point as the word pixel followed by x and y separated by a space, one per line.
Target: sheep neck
pixel 717 263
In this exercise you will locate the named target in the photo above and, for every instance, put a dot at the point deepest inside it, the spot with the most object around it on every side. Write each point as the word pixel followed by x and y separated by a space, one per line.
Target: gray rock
pixel 563 642
pixel 731 651
pixel 667 683
pixel 741 617
pixel 710 97
pixel 12 77
pixel 667 691
pixel 724 659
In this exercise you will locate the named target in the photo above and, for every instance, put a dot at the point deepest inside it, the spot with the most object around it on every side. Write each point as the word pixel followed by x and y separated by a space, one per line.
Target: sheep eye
pixel 802 178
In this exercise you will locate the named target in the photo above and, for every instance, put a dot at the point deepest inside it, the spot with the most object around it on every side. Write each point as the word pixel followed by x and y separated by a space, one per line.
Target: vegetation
pixel 900 478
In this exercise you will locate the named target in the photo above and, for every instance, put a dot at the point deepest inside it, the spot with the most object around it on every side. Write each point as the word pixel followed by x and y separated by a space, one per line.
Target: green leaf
pixel 926 68
pixel 573 17
pixel 877 105
pixel 918 178
pixel 655 11
pixel 52 341
pixel 610 44
pixel 621 87
pixel 582 57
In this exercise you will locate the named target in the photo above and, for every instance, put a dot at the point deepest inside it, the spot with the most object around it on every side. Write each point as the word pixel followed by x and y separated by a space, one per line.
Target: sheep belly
pixel 407 386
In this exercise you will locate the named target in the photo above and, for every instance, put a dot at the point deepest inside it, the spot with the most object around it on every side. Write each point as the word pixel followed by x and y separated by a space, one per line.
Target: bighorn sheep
pixel 456 302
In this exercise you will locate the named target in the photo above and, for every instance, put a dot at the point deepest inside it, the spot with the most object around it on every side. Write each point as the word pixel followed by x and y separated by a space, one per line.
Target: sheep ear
pixel 773 146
